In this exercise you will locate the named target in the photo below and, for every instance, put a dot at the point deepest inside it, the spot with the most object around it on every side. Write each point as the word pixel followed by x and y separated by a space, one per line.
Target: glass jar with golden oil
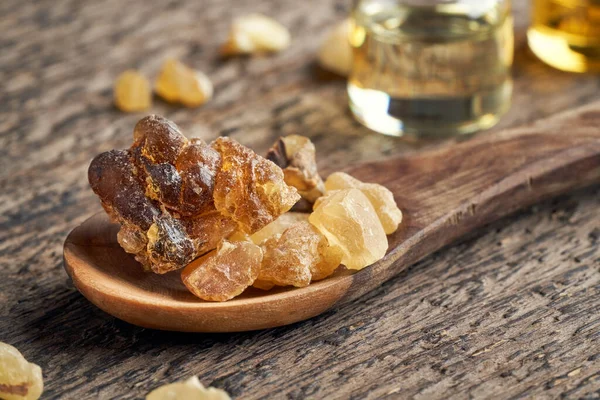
pixel 430 68
pixel 566 34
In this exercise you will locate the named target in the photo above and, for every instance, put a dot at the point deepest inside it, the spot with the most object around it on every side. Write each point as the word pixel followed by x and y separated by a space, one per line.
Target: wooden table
pixel 512 312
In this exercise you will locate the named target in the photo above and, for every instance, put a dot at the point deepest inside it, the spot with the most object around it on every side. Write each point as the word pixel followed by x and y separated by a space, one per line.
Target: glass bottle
pixel 430 68
pixel 566 34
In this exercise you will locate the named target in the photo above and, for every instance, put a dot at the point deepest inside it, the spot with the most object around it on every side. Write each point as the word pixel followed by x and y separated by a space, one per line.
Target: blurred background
pixel 59 61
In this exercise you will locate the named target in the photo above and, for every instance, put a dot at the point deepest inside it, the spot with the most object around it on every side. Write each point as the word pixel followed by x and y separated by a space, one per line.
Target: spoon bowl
pixel 115 282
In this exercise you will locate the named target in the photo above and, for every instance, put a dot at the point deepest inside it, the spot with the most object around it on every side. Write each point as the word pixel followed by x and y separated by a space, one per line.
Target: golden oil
pixel 430 70
pixel 566 34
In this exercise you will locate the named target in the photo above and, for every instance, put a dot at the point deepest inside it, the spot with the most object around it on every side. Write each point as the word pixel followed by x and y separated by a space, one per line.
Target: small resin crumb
pixel 295 155
pixel 132 92
pixel 178 83
pixel 190 389
pixel 380 197
pixel 256 33
pixel 19 379
pixel 225 272
pixel 348 221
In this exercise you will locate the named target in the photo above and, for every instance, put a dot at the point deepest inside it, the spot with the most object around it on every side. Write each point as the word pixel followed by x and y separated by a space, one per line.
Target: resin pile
pixel 223 212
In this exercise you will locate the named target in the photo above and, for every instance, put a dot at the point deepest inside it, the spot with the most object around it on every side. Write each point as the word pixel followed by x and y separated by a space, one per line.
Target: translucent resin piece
pixel 249 189
pixel 349 222
pixel 207 230
pixel 190 389
pixel 278 226
pixel 335 53
pixel 330 257
pixel 132 239
pixel 122 194
pixel 225 272
pixel 197 165
pixel 158 139
pixel 292 257
pixel 380 197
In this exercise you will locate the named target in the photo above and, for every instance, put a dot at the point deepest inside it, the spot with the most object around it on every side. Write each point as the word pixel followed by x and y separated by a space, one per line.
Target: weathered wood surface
pixel 512 312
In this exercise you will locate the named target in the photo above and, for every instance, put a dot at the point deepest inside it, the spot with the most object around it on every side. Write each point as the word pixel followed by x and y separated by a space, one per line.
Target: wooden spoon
pixel 443 193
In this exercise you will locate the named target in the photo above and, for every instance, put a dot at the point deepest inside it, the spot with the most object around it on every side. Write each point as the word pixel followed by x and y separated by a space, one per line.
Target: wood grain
pixel 444 193
pixel 511 312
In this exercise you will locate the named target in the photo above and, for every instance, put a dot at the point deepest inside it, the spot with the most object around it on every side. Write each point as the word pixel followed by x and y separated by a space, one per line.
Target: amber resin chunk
pixel 248 188
pixel 380 197
pixel 197 165
pixel 112 176
pixel 348 221
pixel 225 272
pixel 207 230
pixel 164 191
pixel 297 256
pixel 19 379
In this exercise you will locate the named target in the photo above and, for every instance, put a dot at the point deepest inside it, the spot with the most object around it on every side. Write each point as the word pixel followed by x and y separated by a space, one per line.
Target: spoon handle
pixel 446 193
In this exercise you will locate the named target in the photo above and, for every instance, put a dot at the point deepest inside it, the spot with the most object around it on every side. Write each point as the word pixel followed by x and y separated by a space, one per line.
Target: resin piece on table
pixel 190 389
pixel 255 33
pixel 132 92
pixel 178 83
pixel 19 379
